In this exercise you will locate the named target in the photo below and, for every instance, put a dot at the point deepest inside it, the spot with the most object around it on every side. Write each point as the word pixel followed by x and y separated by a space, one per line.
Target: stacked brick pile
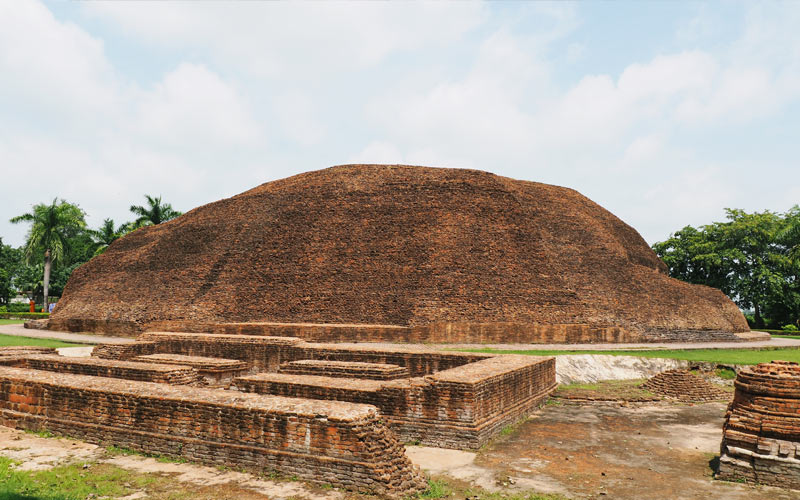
pixel 761 434
pixel 353 369
pixel 342 444
pixel 146 372
pixel 459 254
pixel 684 386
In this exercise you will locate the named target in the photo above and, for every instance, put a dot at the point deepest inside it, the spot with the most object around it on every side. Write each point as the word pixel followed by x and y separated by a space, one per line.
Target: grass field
pixel 11 321
pixel 14 340
pixel 724 356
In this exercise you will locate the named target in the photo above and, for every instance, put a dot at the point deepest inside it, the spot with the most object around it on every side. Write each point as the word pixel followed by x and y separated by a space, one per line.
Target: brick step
pixel 347 369
pixel 128 370
pixel 213 370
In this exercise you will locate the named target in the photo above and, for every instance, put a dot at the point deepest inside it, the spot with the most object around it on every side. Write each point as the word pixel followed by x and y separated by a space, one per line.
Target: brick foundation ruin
pixel 761 434
pixel 330 413
pixel 684 386
pixel 322 441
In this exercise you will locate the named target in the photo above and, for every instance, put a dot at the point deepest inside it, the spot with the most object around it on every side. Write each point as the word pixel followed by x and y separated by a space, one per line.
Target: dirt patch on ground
pixel 606 390
pixel 656 450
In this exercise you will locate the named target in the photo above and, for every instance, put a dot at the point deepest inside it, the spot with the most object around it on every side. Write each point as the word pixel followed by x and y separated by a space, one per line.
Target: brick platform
pixel 147 372
pixel 13 350
pixel 452 399
pixel 355 369
pixel 461 407
pixel 213 370
pixel 761 434
pixel 685 386
pixel 343 444
pixel 267 353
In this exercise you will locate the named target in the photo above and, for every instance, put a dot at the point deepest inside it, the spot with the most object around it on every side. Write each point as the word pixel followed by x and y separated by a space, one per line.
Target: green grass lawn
pixel 725 356
pixel 14 340
pixel 11 321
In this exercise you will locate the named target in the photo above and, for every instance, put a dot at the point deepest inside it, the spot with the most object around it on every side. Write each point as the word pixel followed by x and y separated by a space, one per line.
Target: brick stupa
pixel 377 252
pixel 761 434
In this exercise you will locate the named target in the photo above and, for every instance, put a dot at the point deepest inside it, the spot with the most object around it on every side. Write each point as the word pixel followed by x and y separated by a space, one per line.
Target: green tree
pixel 155 213
pixel 742 257
pixel 10 262
pixel 53 227
pixel 107 234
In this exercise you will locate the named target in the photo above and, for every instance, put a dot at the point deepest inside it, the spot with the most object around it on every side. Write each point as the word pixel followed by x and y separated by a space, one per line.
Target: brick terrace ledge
pixel 131 370
pixel 357 369
pixel 343 444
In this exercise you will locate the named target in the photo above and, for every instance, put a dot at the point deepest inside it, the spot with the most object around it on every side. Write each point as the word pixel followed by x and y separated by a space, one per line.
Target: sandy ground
pixel 663 450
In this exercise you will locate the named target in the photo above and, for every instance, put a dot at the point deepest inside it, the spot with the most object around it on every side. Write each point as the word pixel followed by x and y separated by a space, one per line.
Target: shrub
pixel 23 315
pixel 16 307
pixel 789 328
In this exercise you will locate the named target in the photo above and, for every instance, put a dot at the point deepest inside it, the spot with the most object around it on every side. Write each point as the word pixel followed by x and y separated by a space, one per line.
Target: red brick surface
pixel 761 434
pixel 343 444
pixel 147 372
pixel 684 386
pixel 453 254
pixel 351 369
pixel 452 399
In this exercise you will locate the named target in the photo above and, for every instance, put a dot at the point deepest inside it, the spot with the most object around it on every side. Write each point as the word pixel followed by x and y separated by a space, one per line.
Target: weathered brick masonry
pixel 267 353
pixel 354 369
pixel 452 399
pixel 213 370
pixel 344 444
pixel 414 253
pixel 685 386
pixel 761 434
pixel 461 407
pixel 146 372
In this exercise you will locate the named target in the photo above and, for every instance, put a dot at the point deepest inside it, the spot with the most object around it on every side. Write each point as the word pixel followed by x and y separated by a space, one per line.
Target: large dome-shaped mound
pixel 430 249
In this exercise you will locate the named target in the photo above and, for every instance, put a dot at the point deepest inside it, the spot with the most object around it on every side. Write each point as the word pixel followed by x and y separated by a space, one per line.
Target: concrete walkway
pixel 774 343
pixel 77 338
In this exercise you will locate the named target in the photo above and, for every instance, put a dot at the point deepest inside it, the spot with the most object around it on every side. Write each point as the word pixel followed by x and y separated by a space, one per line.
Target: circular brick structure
pixel 761 434
pixel 684 386
pixel 388 252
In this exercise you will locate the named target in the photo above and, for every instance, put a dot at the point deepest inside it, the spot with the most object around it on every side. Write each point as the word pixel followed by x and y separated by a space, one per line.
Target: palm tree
pixel 106 235
pixel 156 213
pixel 52 226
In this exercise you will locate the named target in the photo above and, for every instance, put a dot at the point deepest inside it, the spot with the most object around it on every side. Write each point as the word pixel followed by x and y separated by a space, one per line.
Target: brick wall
pixel 761 433
pixel 461 407
pixel 343 444
pixel 352 369
pixel 267 353
pixel 147 372
pixel 440 332
pixel 457 400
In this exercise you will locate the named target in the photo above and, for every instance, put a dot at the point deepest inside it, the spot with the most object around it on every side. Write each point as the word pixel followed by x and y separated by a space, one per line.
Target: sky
pixel 664 113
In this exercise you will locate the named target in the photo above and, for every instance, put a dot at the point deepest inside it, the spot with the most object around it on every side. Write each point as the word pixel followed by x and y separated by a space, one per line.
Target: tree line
pixel 58 241
pixel 753 257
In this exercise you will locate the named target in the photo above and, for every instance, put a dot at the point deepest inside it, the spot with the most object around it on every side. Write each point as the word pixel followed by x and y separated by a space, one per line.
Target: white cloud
pixel 298 118
pixel 193 105
pixel 52 67
pixel 276 39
